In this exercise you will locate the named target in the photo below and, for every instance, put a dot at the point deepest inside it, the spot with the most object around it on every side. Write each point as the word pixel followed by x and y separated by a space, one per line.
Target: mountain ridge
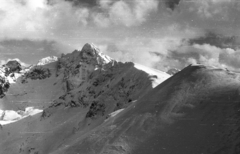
pixel 93 104
pixel 66 73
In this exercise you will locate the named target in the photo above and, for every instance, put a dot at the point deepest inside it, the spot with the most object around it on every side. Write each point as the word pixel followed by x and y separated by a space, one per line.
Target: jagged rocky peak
pixel 13 63
pixel 47 60
pixel 12 66
pixel 78 65
pixel 91 54
pixel 90 48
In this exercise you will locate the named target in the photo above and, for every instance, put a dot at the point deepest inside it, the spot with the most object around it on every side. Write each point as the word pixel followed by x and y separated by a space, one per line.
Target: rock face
pixel 12 66
pixel 37 73
pixel 4 85
pixel 5 70
pixel 77 66
pixel 90 54
pixel 95 81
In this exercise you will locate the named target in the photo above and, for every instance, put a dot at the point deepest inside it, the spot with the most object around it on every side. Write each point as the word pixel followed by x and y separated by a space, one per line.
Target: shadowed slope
pixel 196 111
pixel 200 113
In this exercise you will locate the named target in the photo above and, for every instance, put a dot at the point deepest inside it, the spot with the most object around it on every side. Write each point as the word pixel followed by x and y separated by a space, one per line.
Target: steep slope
pixel 83 88
pixel 34 86
pixel 196 111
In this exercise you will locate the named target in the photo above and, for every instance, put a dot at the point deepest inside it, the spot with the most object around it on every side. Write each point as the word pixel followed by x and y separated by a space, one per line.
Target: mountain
pixel 92 104
pixel 82 86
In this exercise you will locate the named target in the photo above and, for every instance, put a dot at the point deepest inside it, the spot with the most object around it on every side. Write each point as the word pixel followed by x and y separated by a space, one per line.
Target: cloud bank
pixel 143 31
pixel 43 19
pixel 127 13
pixel 37 19
pixel 173 52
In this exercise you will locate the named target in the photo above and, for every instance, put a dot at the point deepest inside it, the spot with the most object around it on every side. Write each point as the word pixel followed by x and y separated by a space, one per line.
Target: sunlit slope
pixel 37 93
pixel 196 111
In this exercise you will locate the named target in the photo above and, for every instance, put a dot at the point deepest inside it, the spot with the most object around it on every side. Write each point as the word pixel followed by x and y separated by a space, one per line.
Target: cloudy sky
pixel 156 33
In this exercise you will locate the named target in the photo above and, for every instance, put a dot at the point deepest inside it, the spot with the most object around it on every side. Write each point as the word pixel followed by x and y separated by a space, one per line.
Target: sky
pixel 162 34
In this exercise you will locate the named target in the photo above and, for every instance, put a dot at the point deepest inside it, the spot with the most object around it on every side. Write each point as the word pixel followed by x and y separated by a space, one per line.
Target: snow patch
pixel 106 58
pixel 47 60
pixel 160 76
pixel 14 78
pixel 10 116
pixel 113 114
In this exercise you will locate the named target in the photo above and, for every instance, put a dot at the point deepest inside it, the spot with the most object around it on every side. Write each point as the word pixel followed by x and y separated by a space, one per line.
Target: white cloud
pixel 38 20
pixel 212 8
pixel 101 20
pixel 127 13
pixel 171 52
pixel 230 58
pixel 212 55
pixel 22 18
pixel 142 50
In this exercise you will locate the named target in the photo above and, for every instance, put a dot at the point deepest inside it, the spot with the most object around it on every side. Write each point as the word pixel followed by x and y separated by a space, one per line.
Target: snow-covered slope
pixel 157 76
pixel 76 93
pixel 93 104
pixel 195 111
pixel 47 60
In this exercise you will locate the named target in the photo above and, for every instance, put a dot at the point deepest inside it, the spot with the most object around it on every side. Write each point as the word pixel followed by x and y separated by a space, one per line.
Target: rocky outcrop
pixel 35 73
pixel 7 73
pixel 12 67
pixel 4 85
pixel 77 66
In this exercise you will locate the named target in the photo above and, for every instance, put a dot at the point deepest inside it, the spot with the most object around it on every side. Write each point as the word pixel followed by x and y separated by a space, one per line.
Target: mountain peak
pixel 90 52
pixel 90 47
